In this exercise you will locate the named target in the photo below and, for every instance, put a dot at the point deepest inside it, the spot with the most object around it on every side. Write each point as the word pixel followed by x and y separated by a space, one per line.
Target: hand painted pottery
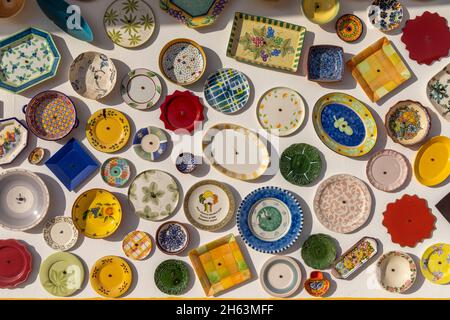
pixel 172 277
pixel 388 170
pixel 325 63
pixel 319 251
pixel 60 233
pixel 150 143
pixel 51 115
pixel 438 92
pixel 435 263
pixel 116 172
pixel 27 58
pixel 181 112
pixel 281 111
pixel 186 162
pixel 220 265
pixel 320 11
pixel 97 213
pixel 13 139
pixel 409 220
pixel 270 219
pixel 154 195
pixel 108 130
pixel 355 258
pixel 36 156
pixel 111 277
pixel 317 285
pixel 300 164
pixel 266 42
pixel 227 90
pixel 72 164
pixel 344 124
pixel 236 151
pixel 349 28
pixel 141 89
pixel 408 122
pixel 24 199
pixel 182 61
pixel 137 245
pixel 172 237
pixel 385 15
pixel 444 207
pixel 16 263
pixel 281 276
pixel 129 23
pixel 396 271
pixel 10 8
pixel 427 38
pixel 92 75
pixel 61 274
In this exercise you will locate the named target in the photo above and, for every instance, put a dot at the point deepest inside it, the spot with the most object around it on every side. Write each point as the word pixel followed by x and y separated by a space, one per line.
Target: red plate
pixel 15 263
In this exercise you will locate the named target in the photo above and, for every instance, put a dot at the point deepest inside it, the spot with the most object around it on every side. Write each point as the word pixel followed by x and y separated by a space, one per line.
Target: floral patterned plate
pixel 137 245
pixel 435 263
pixel 13 139
pixel 385 15
pixel 16 263
pixel 111 276
pixel 438 92
pixel 281 276
pixel 320 11
pixel 116 171
pixel 349 28
pixel 172 237
pixel 325 63
pixel 396 271
pixel 60 233
pixel 141 89
pixel 150 143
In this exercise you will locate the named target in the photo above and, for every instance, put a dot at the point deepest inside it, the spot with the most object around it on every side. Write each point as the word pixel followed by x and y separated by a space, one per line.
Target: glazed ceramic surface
pixel 317 285
pixel 300 164
pixel 435 263
pixel 385 15
pixel 116 172
pixel 349 28
pixel 172 277
pixel 388 170
pixel 141 89
pixel 438 92
pixel 13 139
pixel 396 271
pixel 186 162
pixel 319 251
pixel 36 155
pixel 325 63
pixel 444 207
pixel 281 276
pixel 320 11
pixel 16 263
pixel 172 237
pixel 137 245
pixel 150 143
pixel 60 233
pixel 10 8
pixel 111 277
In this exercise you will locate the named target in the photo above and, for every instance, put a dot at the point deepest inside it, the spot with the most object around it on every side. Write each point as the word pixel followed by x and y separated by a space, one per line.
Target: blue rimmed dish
pixel 150 143
pixel 325 63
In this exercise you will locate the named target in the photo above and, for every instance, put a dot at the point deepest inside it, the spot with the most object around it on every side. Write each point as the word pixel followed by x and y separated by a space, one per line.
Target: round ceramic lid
pixel 116 171
pixel 432 165
pixel 137 245
pixel 281 111
pixel 281 276
pixel 141 89
pixel 342 203
pixel 111 277
pixel 129 23
pixel 319 251
pixel 60 233
pixel 61 274
pixel 435 263
pixel 349 28
pixel 36 155
pixel 396 271
pixel 388 170
pixel 172 277
pixel 300 164
pixel 15 263
pixel 172 237
pixel 385 15
pixel 150 143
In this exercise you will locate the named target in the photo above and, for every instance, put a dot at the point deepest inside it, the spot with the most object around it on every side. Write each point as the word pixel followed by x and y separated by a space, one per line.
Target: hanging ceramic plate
pixel 16 263
pixel 349 28
pixel 108 130
pixel 396 271
pixel 10 8
pixel 342 203
pixel 320 11
pixel 60 233
pixel 388 170
pixel 172 277
pixel 432 164
pixel 172 237
pixel 281 276
pixel 319 251
pixel 97 213
pixel 236 151
pixel 154 195
pixel 36 156
pixel 317 285
pixel 150 143
pixel 438 92
pixel 325 63
pixel 13 139
pixel 137 245
pixel 186 162
pixel 385 15
pixel 435 263
pixel 270 219
pixel 61 274
pixel 116 172
pixel 141 89
pixel 300 164
pixel 111 277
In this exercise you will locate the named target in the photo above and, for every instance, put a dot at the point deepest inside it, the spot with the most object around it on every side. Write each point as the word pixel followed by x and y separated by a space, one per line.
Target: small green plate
pixel 172 277
pixel 300 164
pixel 319 251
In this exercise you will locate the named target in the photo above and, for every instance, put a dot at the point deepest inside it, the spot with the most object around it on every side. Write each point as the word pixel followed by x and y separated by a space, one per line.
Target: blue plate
pixel 325 63
pixel 150 143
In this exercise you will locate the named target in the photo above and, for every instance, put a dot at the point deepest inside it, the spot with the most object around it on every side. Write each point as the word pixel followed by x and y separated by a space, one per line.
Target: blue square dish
pixel 325 63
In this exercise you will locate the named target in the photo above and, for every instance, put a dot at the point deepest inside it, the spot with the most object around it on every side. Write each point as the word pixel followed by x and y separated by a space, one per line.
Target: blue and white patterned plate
pixel 385 15
pixel 150 143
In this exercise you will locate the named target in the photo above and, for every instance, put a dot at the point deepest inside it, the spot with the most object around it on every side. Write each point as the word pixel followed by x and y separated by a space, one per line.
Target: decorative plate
pixel 385 15
pixel 13 139
pixel 270 219
pixel 108 130
pixel 342 203
pixel 300 164
pixel 10 8
pixel 154 195
pixel 150 143
pixel 141 89
pixel 227 90
pixel 60 233
pixel 396 271
pixel 438 92
pixel 172 237
pixel 220 265
pixel 246 160
pixel 319 251
pixel 266 42
pixel 182 61
pixel 16 263
pixel 36 156
pixel 61 274
pixel 172 277
pixel 97 213
pixel 281 111
pixel 72 164
pixel 325 63
pixel 116 172
pixel 281 276
pixel 25 199
pixel 320 11
pixel 92 75
pixel 111 277
pixel 137 245
pixel 27 58
pixel 444 207
pixel 186 162
pixel 349 28
pixel 388 170
pixel 435 265
pixel 344 124
pixel 129 23
pixel 317 285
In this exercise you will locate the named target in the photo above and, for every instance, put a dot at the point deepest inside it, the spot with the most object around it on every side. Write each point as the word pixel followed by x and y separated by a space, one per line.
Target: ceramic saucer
pixel 36 156
pixel 385 15
pixel 13 139
pixel 172 237
pixel 396 271
pixel 172 277
pixel 150 143
pixel 141 89
pixel 438 92
pixel 281 276
pixel 388 170
pixel 317 285
pixel 349 28
pixel 111 277
pixel 300 164
pixel 137 245
pixel 10 8
pixel 116 172
pixel 60 233
pixel 186 162
pixel 435 263
pixel 319 251
pixel 16 263
pixel 320 11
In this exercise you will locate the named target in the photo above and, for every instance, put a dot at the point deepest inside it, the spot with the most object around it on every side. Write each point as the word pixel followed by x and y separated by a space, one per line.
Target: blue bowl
pixel 325 63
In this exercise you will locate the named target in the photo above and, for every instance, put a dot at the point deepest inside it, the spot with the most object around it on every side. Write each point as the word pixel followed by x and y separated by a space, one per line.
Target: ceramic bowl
pixel 10 8
pixel 172 237
pixel 320 11
pixel 396 271
pixel 325 63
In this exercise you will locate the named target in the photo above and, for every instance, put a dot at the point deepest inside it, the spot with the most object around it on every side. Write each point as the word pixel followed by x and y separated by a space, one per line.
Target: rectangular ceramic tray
pixel 266 42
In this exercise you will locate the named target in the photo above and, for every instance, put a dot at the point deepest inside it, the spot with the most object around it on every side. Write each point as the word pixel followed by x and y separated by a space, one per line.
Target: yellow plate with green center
pixel 435 263
pixel 111 276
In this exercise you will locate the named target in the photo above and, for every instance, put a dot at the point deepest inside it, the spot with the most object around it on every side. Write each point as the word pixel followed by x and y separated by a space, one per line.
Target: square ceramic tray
pixel 266 42
pixel 325 63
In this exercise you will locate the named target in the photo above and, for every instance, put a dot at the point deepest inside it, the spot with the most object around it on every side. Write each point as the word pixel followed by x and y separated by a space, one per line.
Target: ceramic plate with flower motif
pixel 141 89
pixel 116 172
pixel 111 276
pixel 435 263
pixel 396 271
pixel 13 139
pixel 60 233
pixel 385 15
pixel 438 92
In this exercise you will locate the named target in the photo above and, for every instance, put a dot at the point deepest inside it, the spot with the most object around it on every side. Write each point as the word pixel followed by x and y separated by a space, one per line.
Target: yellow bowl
pixel 320 11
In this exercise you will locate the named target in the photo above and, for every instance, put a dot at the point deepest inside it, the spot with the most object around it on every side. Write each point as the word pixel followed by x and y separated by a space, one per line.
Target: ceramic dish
pixel 349 28
pixel 172 237
pixel 10 8
pixel 281 276
pixel 186 162
pixel 301 164
pixel 141 89
pixel 16 263
pixel 150 143
pixel 137 245
pixel 385 15
pixel 60 233
pixel 13 139
pixel 24 199
pixel 319 251
pixel 325 63
pixel 317 285
pixel 320 11
pixel 172 277
pixel 396 271
pixel 435 265
pixel 36 156
pixel 116 172
pixel 97 213
pixel 111 277
pixel 438 92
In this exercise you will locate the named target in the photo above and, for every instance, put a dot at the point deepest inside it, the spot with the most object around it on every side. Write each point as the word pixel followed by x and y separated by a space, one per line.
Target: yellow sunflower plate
pixel 97 213
pixel 111 276
pixel 435 263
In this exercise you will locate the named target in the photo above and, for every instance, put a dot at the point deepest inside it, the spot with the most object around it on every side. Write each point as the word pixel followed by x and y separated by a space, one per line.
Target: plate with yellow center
pixel 111 277
pixel 435 263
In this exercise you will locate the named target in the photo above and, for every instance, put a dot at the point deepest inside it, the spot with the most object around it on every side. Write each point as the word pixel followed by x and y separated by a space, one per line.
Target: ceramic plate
pixel 396 271
pixel 13 139
pixel 349 28
pixel 385 15
pixel 154 195
pixel 342 203
pixel 325 63
pixel 60 233
pixel 36 156
pixel 435 263
pixel 236 151
pixel 344 124
pixel 319 251
pixel 16 263
pixel 61 274
pixel 137 245
pixel 281 276
pixel 281 111
pixel 141 89
pixel 186 162
pixel 438 92
pixel 300 164
pixel 10 8
pixel 172 277
pixel 317 285
pixel 320 11
pixel 388 170
pixel 24 199
pixel 97 213
pixel 172 237
pixel 111 277
pixel 150 143
pixel 116 172
pixel 432 164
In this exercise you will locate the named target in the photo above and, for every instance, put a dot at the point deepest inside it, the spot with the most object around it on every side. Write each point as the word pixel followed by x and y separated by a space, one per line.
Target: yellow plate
pixel 432 163
pixel 435 263
pixel 108 130
pixel 111 276
pixel 97 213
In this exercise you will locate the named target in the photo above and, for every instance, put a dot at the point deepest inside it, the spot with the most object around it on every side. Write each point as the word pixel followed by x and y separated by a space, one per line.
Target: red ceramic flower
pixel 427 38
pixel 409 220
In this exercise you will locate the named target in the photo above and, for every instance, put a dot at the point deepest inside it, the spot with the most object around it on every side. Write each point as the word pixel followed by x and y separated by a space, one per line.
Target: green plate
pixel 300 164
pixel 172 277
pixel 319 251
